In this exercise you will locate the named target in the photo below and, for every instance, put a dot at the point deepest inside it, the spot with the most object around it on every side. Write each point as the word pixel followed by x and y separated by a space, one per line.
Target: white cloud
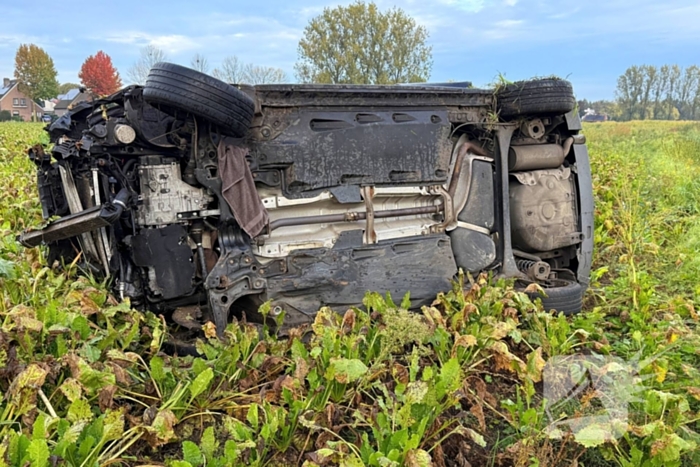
pixel 504 29
pixel 170 43
pixel 17 39
pixel 511 2
pixel 466 5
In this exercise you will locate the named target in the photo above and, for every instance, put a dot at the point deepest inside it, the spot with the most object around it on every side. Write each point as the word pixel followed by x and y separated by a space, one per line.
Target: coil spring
pixel 524 265
pixel 538 270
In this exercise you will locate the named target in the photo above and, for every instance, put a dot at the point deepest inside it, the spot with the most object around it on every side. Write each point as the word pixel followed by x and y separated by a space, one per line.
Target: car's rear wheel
pixel 536 97
pixel 562 295
pixel 177 87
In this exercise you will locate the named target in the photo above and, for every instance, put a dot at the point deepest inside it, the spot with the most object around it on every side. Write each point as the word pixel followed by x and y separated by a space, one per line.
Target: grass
pixel 84 381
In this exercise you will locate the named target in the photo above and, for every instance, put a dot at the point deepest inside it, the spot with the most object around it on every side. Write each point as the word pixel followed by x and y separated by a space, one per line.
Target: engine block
pixel 163 193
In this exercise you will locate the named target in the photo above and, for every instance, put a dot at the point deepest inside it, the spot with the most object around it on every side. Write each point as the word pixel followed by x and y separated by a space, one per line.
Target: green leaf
pixel 79 411
pixel 208 443
pixel 346 370
pixel 7 269
pixel 252 416
pixel 113 425
pixel 38 452
pixel 39 428
pixel 450 378
pixel 71 389
pixel 670 447
pixel 406 302
pixel 201 382
pixel 157 371
pixel 231 452
pixel 592 435
pixel 192 454
pixel 199 365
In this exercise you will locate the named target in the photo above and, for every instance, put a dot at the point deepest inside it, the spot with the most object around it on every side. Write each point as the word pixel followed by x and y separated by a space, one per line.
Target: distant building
pixel 18 104
pixel 48 106
pixel 591 115
pixel 68 100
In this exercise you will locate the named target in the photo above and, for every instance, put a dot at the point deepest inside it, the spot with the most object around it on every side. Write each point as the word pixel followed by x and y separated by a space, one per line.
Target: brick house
pixel 19 105
pixel 69 100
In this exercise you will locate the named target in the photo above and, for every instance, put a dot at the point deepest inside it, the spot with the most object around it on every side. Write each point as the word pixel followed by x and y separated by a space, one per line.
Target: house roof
pixel 66 103
pixel 63 104
pixel 7 89
pixel 70 95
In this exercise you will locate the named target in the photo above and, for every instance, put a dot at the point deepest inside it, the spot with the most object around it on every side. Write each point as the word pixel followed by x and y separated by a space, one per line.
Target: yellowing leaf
pixel 504 360
pixel 346 370
pixel 209 329
pixel 71 389
pixel 535 365
pixel 418 458
pixel 162 428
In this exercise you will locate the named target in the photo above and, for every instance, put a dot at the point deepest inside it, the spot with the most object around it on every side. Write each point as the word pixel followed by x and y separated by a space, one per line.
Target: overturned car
pixel 202 200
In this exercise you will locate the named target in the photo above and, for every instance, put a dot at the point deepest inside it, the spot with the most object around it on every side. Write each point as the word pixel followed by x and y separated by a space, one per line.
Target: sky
pixel 589 42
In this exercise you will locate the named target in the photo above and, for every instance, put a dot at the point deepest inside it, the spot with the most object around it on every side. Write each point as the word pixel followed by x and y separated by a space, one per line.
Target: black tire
pixel 537 97
pixel 178 87
pixel 562 296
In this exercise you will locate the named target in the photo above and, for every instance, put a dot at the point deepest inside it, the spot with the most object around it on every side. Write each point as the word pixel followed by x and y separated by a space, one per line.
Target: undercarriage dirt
pixel 305 196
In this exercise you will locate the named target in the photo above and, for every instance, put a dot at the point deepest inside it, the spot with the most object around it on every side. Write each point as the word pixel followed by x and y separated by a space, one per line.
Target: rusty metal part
pixel 448 209
pixel 460 183
pixel 352 216
pixel 568 143
pixel 533 128
pixel 370 233
pixel 465 148
pixel 188 316
pixel 535 270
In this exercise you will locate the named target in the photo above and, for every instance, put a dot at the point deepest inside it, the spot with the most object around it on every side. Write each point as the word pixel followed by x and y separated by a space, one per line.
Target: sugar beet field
pixel 84 380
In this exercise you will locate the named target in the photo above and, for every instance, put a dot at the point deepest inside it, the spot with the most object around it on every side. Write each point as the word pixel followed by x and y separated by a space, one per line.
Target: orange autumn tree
pixel 99 76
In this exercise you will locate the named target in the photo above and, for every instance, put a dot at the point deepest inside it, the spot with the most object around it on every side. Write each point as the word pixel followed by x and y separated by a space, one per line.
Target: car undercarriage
pixel 203 201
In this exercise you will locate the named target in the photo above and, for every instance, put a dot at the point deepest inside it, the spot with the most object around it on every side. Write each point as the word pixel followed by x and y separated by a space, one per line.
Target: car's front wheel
pixel 178 87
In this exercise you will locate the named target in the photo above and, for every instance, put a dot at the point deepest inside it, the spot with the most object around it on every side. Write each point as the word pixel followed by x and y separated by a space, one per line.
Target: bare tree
pixel 231 70
pixel 256 74
pixel 200 63
pixel 150 55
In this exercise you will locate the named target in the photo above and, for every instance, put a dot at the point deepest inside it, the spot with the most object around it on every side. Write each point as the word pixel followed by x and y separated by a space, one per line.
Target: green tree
pixel 35 73
pixel 360 44
pixel 65 87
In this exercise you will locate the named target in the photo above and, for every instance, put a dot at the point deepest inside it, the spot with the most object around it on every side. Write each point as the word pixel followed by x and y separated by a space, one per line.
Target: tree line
pixel 647 92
